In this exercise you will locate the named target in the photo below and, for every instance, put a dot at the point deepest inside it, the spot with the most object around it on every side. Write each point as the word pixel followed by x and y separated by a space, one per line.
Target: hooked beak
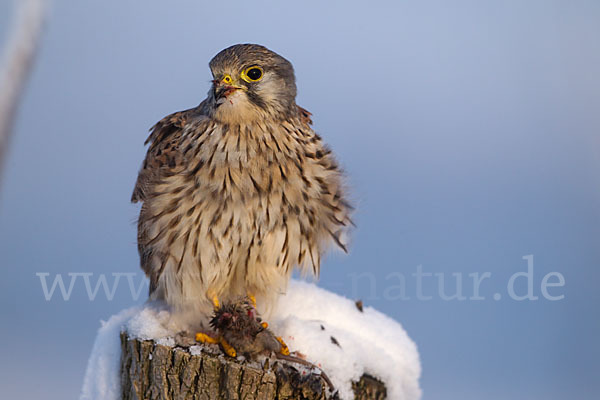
pixel 223 89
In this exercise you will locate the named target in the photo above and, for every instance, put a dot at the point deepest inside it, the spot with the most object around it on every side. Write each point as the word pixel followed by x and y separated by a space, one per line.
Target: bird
pixel 238 192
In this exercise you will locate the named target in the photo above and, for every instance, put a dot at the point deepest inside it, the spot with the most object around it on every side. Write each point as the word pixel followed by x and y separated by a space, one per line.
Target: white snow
pixel 307 317
pixel 102 379
pixel 370 342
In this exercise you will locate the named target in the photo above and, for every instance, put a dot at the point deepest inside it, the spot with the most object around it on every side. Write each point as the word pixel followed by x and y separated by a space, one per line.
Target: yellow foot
pixel 227 348
pixel 252 299
pixel 284 349
pixel 215 301
pixel 204 338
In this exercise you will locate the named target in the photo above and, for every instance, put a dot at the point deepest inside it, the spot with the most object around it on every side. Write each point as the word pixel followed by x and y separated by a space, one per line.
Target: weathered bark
pixel 154 371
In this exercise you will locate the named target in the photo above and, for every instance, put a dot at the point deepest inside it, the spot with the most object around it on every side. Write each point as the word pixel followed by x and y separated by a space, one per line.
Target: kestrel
pixel 238 191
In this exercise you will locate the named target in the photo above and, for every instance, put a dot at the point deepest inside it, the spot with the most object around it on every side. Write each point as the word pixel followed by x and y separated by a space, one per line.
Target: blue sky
pixel 469 131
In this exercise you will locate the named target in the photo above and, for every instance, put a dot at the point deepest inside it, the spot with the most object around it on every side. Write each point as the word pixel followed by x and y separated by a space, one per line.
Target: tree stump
pixel 154 371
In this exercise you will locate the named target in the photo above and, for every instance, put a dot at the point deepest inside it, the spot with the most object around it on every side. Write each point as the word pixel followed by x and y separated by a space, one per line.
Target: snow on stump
pixel 154 371
pixel 365 354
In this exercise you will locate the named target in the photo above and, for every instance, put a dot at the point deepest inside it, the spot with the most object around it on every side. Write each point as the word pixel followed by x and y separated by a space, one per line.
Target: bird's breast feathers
pixel 248 204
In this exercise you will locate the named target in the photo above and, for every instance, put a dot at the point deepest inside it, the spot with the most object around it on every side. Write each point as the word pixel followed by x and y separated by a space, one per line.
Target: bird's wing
pixel 163 154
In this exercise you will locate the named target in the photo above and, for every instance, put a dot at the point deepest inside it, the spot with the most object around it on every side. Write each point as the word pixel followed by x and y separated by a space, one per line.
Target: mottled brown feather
pixel 163 153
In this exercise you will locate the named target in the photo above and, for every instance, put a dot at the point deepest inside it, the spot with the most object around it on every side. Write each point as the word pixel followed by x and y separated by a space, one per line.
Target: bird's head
pixel 249 83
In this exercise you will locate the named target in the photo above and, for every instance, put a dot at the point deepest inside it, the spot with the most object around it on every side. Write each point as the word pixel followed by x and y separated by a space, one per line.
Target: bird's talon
pixel 252 299
pixel 204 338
pixel 284 348
pixel 227 348
pixel 215 301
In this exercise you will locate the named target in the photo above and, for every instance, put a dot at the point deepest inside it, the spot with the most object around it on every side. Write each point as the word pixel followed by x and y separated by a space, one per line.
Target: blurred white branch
pixel 16 66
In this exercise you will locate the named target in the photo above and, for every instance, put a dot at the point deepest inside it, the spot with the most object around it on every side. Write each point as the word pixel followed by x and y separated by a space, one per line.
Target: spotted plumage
pixel 238 191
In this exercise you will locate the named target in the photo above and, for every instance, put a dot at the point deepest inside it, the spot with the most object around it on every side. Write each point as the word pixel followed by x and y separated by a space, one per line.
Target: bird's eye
pixel 252 74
